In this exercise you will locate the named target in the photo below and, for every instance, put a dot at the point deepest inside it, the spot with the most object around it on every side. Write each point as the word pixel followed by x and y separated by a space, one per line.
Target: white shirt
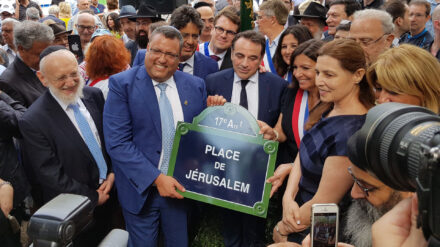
pixel 189 67
pixel 173 97
pixel 10 52
pixel 274 44
pixel 221 56
pixel 84 112
pixel 251 91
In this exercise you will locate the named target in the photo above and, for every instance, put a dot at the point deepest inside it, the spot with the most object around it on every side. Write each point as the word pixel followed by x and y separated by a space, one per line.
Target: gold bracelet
pixel 278 231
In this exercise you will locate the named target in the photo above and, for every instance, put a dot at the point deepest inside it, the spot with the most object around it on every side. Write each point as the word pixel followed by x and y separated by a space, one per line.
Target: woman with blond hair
pixel 406 74
pixel 65 12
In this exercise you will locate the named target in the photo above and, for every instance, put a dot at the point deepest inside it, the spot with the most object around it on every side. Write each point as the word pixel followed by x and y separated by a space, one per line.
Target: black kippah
pixel 51 49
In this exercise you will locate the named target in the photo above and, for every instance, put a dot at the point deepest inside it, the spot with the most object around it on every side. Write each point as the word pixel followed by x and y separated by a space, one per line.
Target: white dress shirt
pixel 189 67
pixel 274 44
pixel 251 91
pixel 84 112
pixel 173 97
pixel 10 52
pixel 220 55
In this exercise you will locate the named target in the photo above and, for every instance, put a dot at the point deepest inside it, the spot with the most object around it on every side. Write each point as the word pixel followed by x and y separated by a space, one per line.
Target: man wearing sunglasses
pixel 372 199
pixel 226 26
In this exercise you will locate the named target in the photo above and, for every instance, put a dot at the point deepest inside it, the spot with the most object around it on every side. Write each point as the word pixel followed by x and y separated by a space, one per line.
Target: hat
pixel 58 29
pixel 127 11
pixel 99 32
pixel 314 10
pixel 50 49
pixel 7 8
pixel 146 11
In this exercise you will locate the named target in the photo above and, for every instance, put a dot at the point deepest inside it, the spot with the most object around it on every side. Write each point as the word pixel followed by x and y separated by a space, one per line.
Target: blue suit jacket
pixel 203 65
pixel 132 129
pixel 270 89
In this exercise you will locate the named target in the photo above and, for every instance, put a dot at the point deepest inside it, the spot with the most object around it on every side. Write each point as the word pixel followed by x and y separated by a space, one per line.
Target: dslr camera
pixel 400 144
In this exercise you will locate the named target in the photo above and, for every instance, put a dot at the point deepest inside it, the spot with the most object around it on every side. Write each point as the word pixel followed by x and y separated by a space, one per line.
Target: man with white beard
pixel 372 199
pixel 63 142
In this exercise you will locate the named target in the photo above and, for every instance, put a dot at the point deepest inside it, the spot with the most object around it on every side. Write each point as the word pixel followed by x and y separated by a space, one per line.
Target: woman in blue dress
pixel 298 100
pixel 319 173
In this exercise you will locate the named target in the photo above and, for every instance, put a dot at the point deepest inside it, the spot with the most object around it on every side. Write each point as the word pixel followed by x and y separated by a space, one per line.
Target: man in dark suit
pixel 226 26
pixel 140 115
pixel 19 80
pixel 63 144
pixel 260 93
pixel 187 20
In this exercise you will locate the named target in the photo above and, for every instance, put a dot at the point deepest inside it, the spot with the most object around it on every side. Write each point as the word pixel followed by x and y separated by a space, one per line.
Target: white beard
pixel 69 99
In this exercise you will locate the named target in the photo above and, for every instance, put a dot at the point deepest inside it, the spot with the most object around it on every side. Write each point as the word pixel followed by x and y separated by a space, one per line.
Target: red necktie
pixel 215 57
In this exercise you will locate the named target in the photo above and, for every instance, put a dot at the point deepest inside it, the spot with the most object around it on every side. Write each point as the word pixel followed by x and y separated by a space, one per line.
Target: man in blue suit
pixel 140 115
pixel 187 20
pixel 260 93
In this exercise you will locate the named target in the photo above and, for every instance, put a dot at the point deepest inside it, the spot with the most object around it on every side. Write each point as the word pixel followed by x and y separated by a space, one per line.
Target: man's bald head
pixel 83 5
pixel 59 72
pixel 53 57
pixel 86 26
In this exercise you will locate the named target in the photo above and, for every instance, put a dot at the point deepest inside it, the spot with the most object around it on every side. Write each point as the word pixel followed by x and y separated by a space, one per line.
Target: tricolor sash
pixel 300 115
pixel 267 60
pixel 203 48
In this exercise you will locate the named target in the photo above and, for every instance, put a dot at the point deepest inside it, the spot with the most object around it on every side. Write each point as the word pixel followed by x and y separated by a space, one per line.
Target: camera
pixel 400 145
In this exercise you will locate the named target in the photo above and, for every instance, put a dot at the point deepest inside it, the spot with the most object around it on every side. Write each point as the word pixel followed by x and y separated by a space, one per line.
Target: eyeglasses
pixel 368 42
pixel 359 183
pixel 82 28
pixel 417 15
pixel 221 30
pixel 168 55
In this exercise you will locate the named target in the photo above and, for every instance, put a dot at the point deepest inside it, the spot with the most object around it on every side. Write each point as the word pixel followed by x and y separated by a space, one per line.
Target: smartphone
pixel 75 46
pixel 325 225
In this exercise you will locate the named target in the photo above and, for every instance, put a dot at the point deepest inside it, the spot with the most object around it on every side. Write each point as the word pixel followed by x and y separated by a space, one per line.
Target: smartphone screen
pixel 325 229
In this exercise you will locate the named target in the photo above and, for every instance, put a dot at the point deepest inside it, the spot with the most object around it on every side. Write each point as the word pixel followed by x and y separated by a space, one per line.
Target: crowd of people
pixel 97 117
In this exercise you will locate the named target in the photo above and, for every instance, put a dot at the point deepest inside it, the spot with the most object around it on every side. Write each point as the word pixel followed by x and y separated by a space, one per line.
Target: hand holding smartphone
pixel 325 225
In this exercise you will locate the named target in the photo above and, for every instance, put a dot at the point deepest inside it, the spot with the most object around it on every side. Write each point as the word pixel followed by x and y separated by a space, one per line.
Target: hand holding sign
pixel 167 186
pixel 221 159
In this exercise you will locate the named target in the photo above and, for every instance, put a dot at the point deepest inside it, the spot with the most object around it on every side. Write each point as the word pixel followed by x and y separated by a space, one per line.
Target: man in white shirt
pixel 271 19
pixel 8 37
pixel 63 141
pixel 260 94
pixel 226 26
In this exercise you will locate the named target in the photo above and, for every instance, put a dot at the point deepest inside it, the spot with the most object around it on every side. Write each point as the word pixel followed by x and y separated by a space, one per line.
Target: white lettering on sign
pixel 229 184
pixel 220 152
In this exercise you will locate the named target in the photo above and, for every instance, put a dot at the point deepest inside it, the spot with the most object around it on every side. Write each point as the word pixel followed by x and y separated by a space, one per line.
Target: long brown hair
pixel 351 57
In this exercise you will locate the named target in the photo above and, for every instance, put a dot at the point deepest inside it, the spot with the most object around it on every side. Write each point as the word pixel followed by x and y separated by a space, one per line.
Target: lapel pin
pixel 186 102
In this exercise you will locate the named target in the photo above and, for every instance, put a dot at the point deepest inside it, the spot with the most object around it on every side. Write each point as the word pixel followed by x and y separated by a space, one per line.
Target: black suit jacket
pixel 21 83
pixel 55 155
pixel 132 47
pixel 227 62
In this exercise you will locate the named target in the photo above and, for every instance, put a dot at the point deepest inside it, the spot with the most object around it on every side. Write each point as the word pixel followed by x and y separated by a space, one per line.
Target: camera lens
pixel 389 143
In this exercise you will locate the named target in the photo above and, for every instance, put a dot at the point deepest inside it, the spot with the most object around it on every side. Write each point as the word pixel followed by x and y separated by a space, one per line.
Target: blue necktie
pixel 90 140
pixel 167 122
pixel 181 66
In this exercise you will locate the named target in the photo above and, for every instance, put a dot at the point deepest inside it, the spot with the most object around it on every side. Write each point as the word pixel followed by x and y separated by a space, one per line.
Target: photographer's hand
pixel 398 227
